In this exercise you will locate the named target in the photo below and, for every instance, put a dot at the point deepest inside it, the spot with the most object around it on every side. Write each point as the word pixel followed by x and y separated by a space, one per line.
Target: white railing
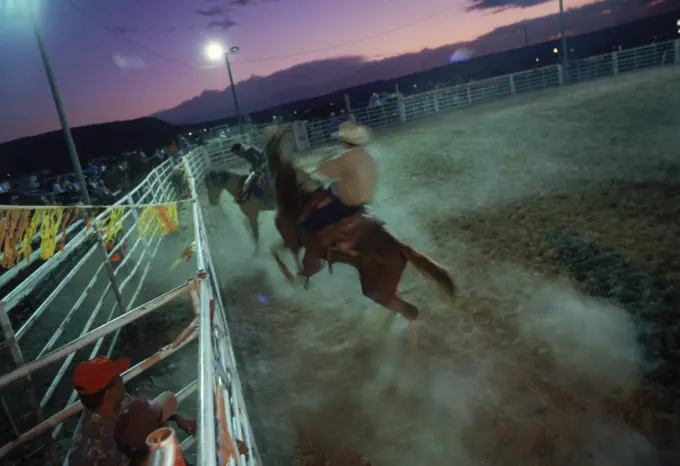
pixel 38 344
pixel 407 108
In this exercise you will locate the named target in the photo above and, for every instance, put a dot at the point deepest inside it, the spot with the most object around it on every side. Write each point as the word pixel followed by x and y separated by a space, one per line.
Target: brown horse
pixel 361 241
pixel 261 198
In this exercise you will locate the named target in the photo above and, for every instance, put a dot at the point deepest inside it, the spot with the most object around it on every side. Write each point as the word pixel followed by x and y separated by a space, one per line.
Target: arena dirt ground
pixel 557 214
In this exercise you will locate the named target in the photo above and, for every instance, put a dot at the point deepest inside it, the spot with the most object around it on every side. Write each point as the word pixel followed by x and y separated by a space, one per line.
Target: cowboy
pixel 101 390
pixel 352 178
pixel 258 165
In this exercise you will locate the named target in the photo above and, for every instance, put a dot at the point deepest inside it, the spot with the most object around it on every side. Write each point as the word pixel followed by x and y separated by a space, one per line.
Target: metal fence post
pixel 512 84
pixel 400 104
pixel 560 75
pixel 348 108
pixel 18 357
pixel 615 63
pixel 676 45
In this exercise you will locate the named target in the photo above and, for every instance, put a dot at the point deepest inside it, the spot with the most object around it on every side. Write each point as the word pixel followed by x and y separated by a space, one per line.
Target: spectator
pixel 92 169
pixel 56 186
pixel 139 418
pixel 92 183
pixel 101 390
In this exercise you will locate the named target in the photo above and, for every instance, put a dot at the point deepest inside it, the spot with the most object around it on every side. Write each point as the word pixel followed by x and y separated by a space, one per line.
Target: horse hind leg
pixel 408 310
pixel 398 305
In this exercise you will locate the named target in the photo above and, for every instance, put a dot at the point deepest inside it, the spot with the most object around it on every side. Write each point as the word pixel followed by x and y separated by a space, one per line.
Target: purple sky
pixel 96 89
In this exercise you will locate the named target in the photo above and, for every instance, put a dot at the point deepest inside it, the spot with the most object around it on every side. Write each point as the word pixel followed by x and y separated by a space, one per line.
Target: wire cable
pixel 352 42
pixel 264 59
pixel 118 34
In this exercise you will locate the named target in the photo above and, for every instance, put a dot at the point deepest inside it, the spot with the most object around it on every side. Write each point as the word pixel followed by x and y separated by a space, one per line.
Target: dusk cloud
pixel 223 24
pixel 503 4
pixel 211 12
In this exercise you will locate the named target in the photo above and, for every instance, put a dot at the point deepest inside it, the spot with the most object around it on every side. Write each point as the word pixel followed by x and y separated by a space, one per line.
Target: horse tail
pixel 428 266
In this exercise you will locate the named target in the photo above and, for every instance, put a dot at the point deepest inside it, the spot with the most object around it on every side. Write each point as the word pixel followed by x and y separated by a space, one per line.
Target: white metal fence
pixel 39 332
pixel 411 107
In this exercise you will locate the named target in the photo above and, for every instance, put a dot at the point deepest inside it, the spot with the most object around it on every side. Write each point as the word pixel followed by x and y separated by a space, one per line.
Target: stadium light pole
pixel 72 150
pixel 214 51
pixel 563 32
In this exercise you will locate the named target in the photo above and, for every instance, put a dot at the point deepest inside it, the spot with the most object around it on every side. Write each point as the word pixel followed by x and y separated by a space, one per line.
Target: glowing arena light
pixel 214 51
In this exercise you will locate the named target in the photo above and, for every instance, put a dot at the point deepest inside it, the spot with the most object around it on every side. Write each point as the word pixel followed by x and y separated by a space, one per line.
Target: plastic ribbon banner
pixel 19 226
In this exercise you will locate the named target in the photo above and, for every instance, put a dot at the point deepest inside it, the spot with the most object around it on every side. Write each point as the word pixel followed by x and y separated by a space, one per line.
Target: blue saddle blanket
pixel 329 214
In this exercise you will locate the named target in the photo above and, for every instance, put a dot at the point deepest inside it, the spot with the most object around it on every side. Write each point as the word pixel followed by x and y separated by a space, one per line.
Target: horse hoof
pixel 412 334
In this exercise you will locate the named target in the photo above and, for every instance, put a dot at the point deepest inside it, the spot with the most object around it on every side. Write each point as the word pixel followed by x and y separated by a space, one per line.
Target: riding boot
pixel 243 194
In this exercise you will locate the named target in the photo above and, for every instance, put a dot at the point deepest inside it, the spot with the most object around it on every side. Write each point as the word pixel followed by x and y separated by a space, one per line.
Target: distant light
pixel 537 60
pixel 415 86
pixel 189 133
pixel 214 51
pixel 556 51
pixel 461 55
pixel 204 130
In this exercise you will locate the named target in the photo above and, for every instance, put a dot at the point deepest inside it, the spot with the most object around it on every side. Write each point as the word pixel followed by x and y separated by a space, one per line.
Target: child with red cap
pixel 101 389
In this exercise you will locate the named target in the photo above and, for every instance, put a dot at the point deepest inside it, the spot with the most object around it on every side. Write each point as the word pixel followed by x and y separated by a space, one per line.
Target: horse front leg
pixel 251 210
pixel 276 251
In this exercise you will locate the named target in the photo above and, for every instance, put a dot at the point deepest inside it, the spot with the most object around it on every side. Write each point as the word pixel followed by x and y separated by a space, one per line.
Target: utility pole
pixel 73 153
pixel 563 32
pixel 233 90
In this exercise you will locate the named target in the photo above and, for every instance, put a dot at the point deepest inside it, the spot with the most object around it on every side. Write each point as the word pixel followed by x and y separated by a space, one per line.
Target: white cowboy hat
pixel 353 133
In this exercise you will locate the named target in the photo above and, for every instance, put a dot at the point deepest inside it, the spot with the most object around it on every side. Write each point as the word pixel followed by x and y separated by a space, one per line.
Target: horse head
pixel 216 181
pixel 284 174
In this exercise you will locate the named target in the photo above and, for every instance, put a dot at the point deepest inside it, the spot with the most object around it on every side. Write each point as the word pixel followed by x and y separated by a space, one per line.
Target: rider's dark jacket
pixel 254 156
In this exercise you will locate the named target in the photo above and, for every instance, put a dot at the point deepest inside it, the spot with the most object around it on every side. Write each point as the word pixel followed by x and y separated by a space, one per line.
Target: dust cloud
pixel 522 369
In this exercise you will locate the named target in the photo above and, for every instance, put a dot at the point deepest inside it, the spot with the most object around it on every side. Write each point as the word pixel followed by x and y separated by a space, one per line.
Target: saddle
pixel 344 234
pixel 255 180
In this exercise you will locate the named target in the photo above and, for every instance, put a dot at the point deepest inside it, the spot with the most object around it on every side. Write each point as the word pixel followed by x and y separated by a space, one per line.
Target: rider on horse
pixel 258 164
pixel 352 178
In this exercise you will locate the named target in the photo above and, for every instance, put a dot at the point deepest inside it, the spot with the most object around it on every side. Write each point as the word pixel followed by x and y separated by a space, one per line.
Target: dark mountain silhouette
pixel 350 75
pixel 309 80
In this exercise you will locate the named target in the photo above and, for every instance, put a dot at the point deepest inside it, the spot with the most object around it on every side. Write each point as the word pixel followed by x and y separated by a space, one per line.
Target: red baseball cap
pixel 95 374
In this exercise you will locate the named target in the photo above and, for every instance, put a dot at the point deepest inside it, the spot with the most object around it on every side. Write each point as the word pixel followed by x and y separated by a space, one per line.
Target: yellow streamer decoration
pixel 185 255
pixel 18 228
pixel 163 218
pixel 112 224
pixel 27 244
pixel 48 231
